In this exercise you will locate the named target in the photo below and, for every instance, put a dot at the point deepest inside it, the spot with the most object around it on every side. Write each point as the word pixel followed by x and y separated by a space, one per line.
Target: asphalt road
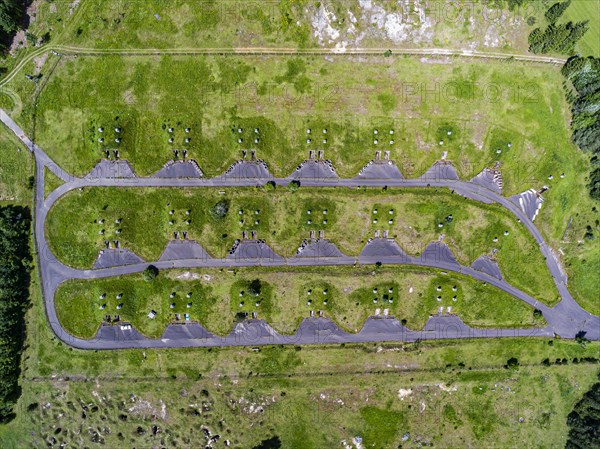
pixel 566 319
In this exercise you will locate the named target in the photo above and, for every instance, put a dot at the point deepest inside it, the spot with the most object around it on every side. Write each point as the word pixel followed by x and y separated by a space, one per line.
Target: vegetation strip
pixel 347 295
pixel 15 265
pixel 147 219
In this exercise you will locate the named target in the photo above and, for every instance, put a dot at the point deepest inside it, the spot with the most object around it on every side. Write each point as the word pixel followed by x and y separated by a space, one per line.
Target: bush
pixel 241 316
pixel 580 338
pixel 31 38
pixel 150 273
pixel 294 185
pixel 512 363
pixel 514 4
pixel 255 287
pixel 271 443
pixel 219 210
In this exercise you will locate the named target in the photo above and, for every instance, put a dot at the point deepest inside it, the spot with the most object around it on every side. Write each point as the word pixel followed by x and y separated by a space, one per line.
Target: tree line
pixel 583 75
pixel 15 266
pixel 557 38
pixel 582 84
pixel 11 16
pixel 584 421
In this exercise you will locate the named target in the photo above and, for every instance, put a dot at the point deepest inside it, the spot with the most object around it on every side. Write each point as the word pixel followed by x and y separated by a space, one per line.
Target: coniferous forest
pixel 15 266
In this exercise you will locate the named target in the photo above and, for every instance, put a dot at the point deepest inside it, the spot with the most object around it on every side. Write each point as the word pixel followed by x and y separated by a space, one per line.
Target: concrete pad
pixel 529 202
pixel 116 257
pixel 318 249
pixel 184 249
pixel 440 170
pixel 114 333
pixel 490 179
pixel 251 332
pixel 179 169
pixel 382 247
pixel 438 252
pixel 487 265
pixel 315 169
pixel 447 326
pixel 248 169
pixel 320 330
pixel 111 169
pixel 382 328
pixel 186 331
pixel 253 249
pixel 380 170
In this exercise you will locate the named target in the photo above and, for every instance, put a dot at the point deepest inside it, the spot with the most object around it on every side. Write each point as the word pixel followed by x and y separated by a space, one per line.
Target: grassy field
pixel 484 104
pixel 282 218
pixel 447 393
pixel 494 408
pixel 114 24
pixel 573 216
pixel 581 10
pixel 284 298
pixel 16 168
pixel 51 182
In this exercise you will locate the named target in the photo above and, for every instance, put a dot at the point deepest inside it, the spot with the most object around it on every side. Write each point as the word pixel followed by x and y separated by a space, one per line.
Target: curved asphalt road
pixel 565 319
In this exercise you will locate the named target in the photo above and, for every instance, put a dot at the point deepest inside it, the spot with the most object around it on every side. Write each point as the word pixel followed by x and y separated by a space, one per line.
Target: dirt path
pixel 71 50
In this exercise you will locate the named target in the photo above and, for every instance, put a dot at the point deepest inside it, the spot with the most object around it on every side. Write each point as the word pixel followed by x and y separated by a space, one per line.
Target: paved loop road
pixel 566 319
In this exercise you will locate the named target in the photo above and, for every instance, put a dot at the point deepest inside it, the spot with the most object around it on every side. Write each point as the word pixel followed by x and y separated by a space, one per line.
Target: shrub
pixel 580 338
pixel 31 38
pixel 219 210
pixel 512 363
pixel 150 273
pixel 240 316
pixel 255 287
pixel 294 185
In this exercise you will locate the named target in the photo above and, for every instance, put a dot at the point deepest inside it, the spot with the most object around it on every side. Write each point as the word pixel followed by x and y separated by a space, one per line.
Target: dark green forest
pixel 583 93
pixel 11 15
pixel 15 267
pixel 582 84
pixel 584 421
